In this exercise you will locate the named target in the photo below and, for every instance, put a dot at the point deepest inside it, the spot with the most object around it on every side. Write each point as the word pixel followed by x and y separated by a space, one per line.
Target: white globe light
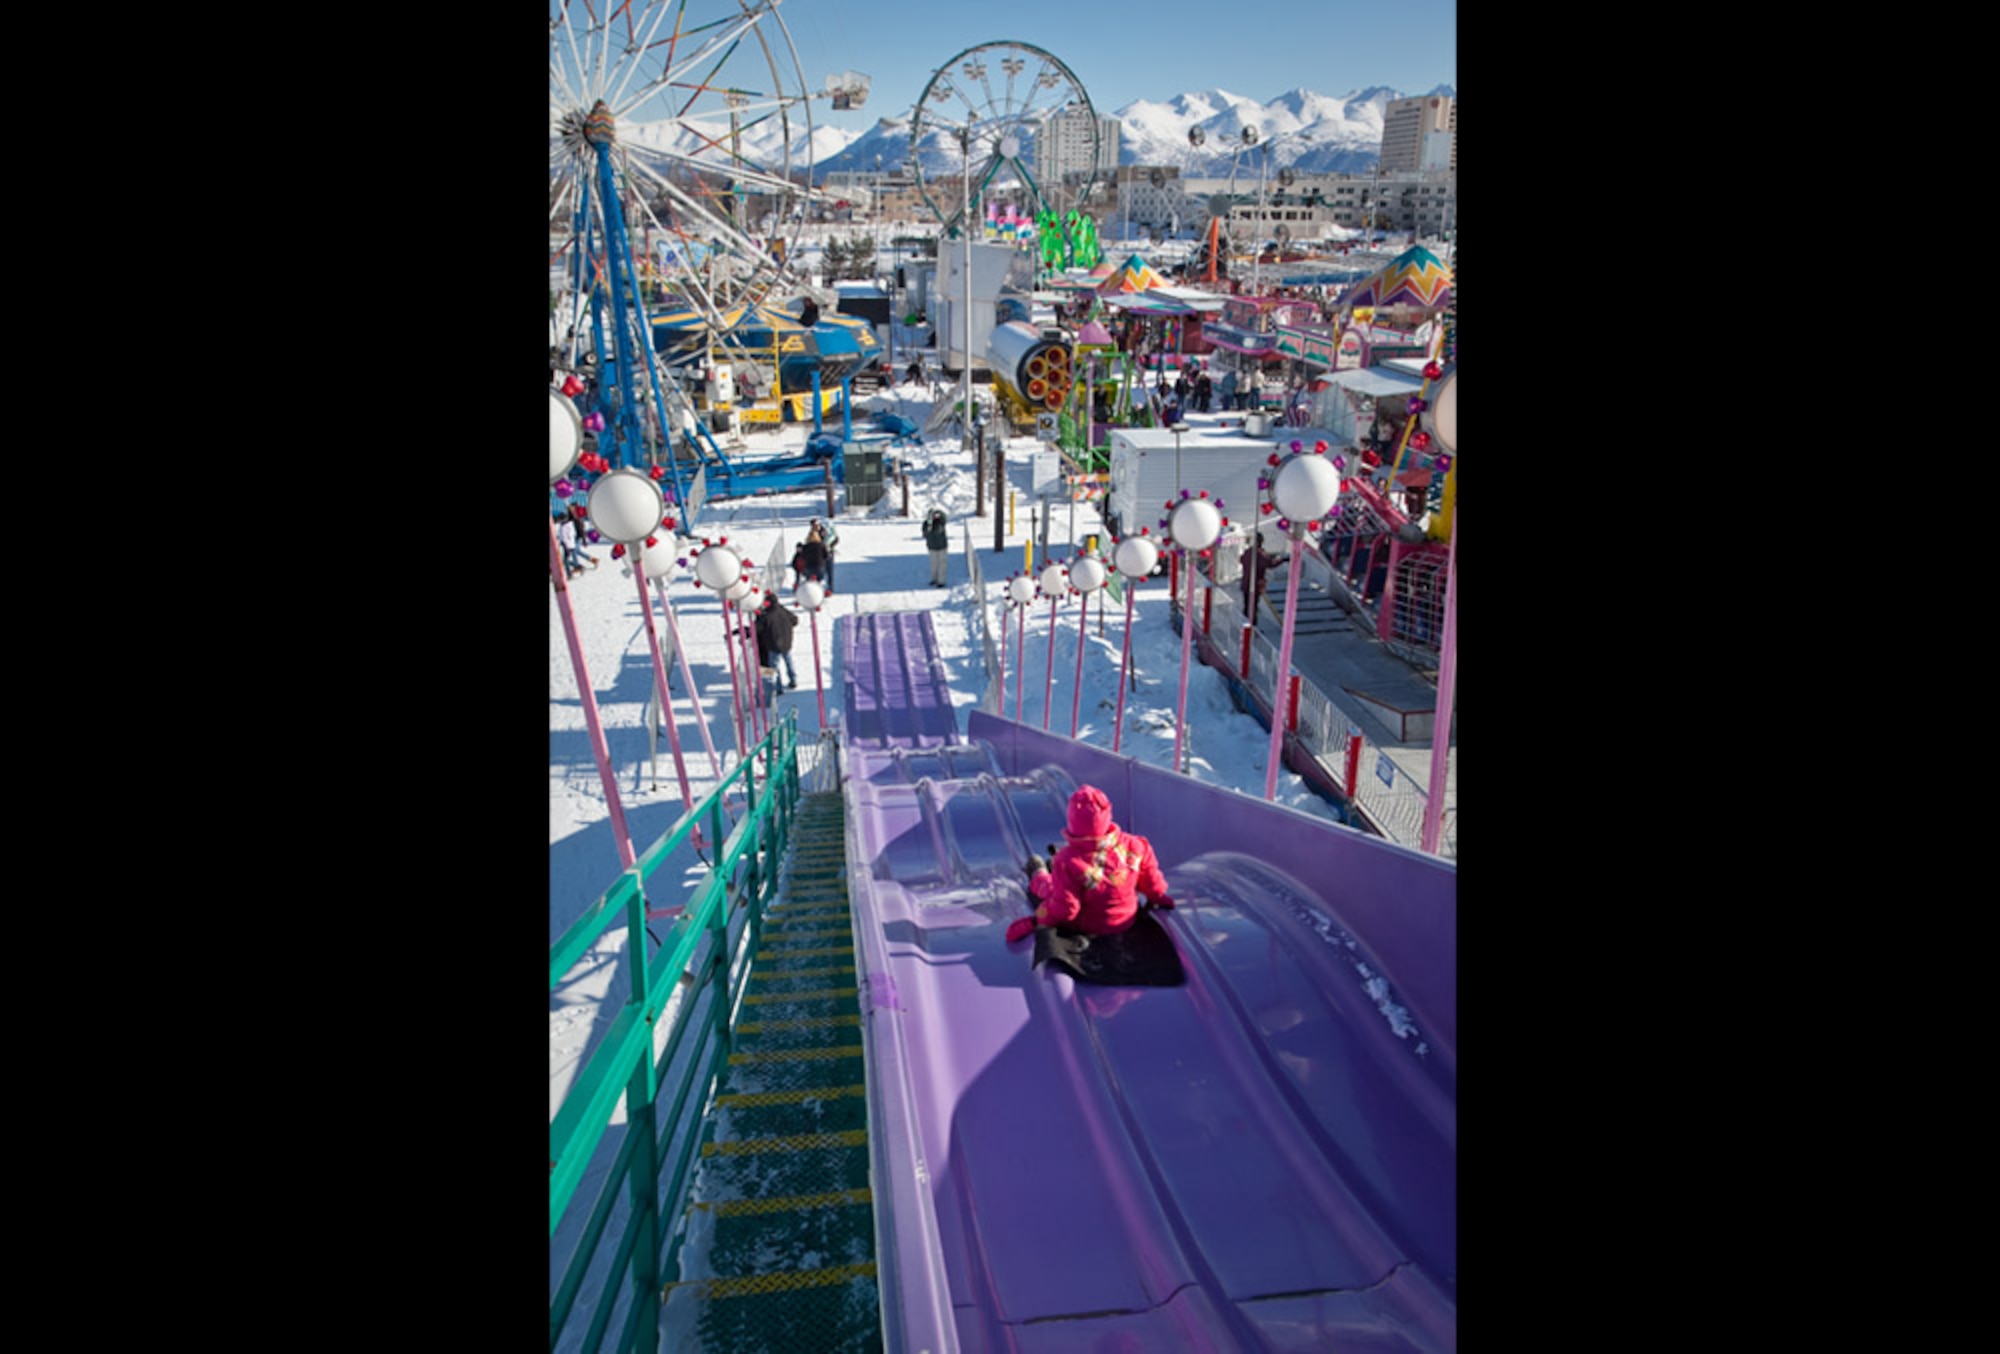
pixel 626 506
pixel 661 559
pixel 1054 582
pixel 1442 417
pixel 1087 574
pixel 565 434
pixel 1021 589
pixel 718 567
pixel 811 595
pixel 1305 486
pixel 738 590
pixel 1194 523
pixel 1136 557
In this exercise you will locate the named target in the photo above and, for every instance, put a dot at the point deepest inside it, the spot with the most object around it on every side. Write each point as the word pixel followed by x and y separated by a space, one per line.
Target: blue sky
pixel 1123 53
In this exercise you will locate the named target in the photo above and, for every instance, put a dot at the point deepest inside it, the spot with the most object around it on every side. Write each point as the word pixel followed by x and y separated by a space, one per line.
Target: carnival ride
pixel 674 179
pixel 1003 128
pixel 1261 1158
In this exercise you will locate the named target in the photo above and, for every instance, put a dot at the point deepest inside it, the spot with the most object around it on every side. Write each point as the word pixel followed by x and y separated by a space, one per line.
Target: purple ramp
pixel 1262 1159
pixel 894 692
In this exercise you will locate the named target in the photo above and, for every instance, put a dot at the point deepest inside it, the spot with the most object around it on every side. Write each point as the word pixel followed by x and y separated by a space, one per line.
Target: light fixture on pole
pixel 965 234
pixel 1136 557
pixel 1086 575
pixel 1442 420
pixel 1194 523
pixel 1020 591
pixel 1055 586
pixel 718 567
pixel 630 510
pixel 741 595
pixel 565 444
pixel 1303 488
pixel 811 596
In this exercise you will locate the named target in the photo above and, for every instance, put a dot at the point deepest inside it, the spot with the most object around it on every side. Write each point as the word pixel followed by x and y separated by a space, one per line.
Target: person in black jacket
pixel 939 542
pixel 809 312
pixel 774 639
pixel 810 559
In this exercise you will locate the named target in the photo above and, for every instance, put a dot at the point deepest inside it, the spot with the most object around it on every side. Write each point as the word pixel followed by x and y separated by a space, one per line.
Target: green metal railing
pixel 697 959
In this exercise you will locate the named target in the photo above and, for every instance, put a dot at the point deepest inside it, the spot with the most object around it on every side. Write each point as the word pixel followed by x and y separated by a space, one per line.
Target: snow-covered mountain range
pixel 1308 132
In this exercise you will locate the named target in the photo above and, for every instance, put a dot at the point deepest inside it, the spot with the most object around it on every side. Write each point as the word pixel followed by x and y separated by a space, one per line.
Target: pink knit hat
pixel 1089 812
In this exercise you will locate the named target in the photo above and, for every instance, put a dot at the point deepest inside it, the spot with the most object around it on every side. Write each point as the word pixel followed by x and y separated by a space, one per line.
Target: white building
pixel 1062 145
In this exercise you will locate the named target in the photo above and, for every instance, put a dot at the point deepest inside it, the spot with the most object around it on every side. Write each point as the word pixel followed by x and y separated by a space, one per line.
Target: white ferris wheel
pixel 709 126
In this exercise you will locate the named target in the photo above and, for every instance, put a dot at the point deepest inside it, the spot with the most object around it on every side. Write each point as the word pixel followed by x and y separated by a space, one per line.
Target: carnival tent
pixel 1133 275
pixel 1414 278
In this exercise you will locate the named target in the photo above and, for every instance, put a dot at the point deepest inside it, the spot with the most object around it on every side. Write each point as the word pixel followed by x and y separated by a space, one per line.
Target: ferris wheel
pixel 709 125
pixel 993 104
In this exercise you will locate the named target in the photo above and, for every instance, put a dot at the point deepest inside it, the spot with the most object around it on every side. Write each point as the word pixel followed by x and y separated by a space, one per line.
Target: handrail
pixel 625 1064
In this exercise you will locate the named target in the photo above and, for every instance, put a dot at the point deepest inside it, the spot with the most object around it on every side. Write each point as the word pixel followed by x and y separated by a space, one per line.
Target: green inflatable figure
pixel 1050 236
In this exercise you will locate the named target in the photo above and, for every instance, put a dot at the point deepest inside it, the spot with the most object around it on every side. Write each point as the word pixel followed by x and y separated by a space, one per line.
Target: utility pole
pixel 965 235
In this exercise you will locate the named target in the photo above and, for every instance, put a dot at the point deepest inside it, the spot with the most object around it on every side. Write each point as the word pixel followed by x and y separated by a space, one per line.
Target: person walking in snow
pixel 936 537
pixel 775 624
pixel 831 540
pixel 809 560
pixel 575 558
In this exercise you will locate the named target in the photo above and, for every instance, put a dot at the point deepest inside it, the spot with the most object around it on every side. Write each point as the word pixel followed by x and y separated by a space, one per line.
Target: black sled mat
pixel 1143 955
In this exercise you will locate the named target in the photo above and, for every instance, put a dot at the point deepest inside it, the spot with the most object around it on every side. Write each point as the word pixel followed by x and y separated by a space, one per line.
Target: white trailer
pixel 1149 468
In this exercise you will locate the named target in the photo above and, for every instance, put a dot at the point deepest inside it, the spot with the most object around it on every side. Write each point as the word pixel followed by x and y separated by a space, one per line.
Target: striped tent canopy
pixel 1414 278
pixel 1135 274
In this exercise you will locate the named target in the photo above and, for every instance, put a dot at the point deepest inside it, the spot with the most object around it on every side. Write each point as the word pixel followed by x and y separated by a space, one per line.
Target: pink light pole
pixel 811 597
pixel 629 509
pixel 1021 591
pixel 1303 489
pixel 1086 575
pixel 739 635
pixel 747 611
pixel 1443 419
pixel 1136 557
pixel 598 747
pixel 1194 523
pixel 719 568
pixel 640 557
pixel 1055 582
pixel 687 671
pixel 565 442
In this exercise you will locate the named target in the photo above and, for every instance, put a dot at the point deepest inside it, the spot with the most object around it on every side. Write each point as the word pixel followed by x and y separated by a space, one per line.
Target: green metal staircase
pixel 779 1252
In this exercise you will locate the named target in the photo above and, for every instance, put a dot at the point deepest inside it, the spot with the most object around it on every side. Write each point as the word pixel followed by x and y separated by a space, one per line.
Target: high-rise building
pixel 1420 134
pixel 1062 145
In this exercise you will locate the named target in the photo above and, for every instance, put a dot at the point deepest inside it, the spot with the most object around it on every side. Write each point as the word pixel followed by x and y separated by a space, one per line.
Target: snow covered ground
pixel 881 565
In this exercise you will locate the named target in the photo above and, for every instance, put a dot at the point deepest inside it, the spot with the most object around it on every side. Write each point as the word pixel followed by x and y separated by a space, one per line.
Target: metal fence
pixel 1386 787
pixel 990 696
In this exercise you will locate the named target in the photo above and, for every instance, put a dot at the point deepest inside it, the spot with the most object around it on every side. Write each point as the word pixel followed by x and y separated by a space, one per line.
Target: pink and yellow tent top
pixel 1414 278
pixel 1135 274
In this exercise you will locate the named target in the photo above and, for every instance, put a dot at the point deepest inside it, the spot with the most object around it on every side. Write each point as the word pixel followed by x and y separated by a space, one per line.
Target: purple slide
pixel 1264 1158
pixel 893 687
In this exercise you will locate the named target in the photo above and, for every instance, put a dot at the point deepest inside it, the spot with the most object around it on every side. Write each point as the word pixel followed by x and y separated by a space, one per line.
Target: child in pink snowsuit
pixel 1094 882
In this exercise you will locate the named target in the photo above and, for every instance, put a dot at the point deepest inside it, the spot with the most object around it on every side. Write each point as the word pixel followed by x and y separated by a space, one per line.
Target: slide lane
pixel 1261 1159
pixel 894 692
